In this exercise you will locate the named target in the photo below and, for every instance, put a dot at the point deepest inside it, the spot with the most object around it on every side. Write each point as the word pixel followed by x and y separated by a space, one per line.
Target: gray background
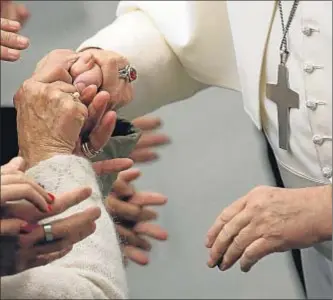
pixel 215 157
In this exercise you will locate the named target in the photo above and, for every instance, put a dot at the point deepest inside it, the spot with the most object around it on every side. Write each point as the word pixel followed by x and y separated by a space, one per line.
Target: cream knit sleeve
pixel 93 269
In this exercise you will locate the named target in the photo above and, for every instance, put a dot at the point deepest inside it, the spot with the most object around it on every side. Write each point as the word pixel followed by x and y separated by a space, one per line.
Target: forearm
pixel 93 269
pixel 162 78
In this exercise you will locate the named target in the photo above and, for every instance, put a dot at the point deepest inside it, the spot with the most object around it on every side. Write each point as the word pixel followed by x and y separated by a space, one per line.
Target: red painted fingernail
pixel 49 208
pixel 28 228
pixel 51 196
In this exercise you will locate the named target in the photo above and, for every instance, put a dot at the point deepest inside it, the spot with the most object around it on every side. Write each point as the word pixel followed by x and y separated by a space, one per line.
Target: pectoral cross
pixel 285 98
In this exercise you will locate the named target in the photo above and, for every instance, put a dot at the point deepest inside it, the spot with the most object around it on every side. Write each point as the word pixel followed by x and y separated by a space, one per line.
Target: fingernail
pixel 23 41
pixel 51 196
pixel 80 86
pixel 28 228
pixel 207 242
pixel 49 208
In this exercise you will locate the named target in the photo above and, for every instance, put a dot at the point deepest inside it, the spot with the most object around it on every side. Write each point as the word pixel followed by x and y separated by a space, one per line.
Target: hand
pixel 104 75
pixel 143 150
pixel 15 185
pixel 14 11
pixel 99 125
pixel 32 251
pixel 11 42
pixel 132 218
pixel 270 220
pixel 49 120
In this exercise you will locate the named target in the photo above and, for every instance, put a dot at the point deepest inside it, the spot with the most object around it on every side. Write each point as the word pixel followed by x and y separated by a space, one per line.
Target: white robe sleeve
pixel 93 269
pixel 162 78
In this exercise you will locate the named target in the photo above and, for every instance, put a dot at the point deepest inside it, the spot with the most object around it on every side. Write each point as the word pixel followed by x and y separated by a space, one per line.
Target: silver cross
pixel 285 98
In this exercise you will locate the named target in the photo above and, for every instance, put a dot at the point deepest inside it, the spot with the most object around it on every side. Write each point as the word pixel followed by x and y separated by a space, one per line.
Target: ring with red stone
pixel 129 73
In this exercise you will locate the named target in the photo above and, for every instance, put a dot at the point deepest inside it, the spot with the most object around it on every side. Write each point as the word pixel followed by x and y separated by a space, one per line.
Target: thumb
pixel 16 164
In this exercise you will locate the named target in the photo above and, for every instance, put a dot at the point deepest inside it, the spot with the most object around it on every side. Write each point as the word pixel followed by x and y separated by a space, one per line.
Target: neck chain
pixel 284 53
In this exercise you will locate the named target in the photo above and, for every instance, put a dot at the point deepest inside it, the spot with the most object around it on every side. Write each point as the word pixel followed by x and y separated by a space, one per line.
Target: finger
pixel 148 198
pixel 112 166
pixel 152 230
pixel 143 155
pixel 256 251
pixel 13 40
pixel 147 123
pixel 84 63
pixel 235 250
pixel 66 231
pixel 129 175
pixel 136 255
pixel 128 237
pixel 102 133
pixel 8 54
pixel 88 94
pixel 12 179
pixel 43 260
pixel 69 199
pixel 11 226
pixel 52 247
pixel 22 12
pixel 16 164
pixel 55 67
pixel 226 215
pixel 152 140
pixel 93 76
pixel 128 211
pixel 78 226
pixel 226 236
pixel 96 110
pixel 122 189
pixel 64 201
pixel 10 25
pixel 25 191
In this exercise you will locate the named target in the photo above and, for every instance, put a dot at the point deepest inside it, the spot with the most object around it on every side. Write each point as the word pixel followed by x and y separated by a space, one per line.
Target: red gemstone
pixel 133 74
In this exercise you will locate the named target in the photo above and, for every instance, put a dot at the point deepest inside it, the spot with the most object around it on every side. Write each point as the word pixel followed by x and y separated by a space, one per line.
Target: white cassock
pixel 181 47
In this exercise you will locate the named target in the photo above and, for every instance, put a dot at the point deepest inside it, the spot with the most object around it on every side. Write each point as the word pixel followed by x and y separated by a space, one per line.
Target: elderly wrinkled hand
pixel 49 119
pixel 104 75
pixel 268 220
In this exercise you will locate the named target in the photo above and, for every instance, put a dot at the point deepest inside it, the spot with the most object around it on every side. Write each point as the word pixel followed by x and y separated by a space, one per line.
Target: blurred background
pixel 216 156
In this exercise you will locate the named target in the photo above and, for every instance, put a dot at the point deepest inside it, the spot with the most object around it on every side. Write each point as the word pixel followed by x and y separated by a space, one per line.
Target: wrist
pixel 39 155
pixel 324 219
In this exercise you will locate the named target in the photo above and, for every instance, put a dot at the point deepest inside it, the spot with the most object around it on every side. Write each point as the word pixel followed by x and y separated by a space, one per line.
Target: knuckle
pixel 28 189
pixel 54 94
pixel 111 61
pixel 58 71
pixel 259 189
pixel 4 22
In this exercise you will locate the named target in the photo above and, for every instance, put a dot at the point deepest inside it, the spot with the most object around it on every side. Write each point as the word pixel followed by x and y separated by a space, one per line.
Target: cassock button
pixel 309 68
pixel 317 139
pixel 327 172
pixel 307 31
pixel 311 104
